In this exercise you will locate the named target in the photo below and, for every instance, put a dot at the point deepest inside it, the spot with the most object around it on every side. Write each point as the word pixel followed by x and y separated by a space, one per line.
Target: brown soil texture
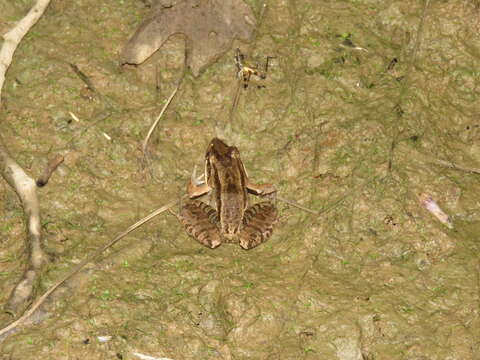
pixel 367 105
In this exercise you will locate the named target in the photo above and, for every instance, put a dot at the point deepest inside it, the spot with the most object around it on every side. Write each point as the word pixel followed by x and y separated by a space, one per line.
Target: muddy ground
pixel 357 134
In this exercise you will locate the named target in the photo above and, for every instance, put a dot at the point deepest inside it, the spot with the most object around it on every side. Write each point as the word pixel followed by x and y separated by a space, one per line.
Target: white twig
pixel 13 173
pixel 14 36
pixel 148 357
pixel 26 188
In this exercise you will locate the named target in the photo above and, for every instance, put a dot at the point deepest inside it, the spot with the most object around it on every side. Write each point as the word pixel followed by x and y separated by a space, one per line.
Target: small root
pixel 51 167
pixel 293 203
pixel 155 123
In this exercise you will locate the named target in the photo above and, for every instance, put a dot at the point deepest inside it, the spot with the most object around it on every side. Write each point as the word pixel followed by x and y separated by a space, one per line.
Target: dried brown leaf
pixel 210 26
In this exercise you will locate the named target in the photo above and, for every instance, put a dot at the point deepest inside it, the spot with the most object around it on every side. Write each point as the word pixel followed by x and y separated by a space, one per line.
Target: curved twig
pixel 26 189
pixel 154 125
pixel 13 37
pixel 13 173
pixel 51 167
pixel 293 203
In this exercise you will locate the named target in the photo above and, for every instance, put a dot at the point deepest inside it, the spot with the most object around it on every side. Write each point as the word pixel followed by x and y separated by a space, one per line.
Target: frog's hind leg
pixel 258 224
pixel 200 222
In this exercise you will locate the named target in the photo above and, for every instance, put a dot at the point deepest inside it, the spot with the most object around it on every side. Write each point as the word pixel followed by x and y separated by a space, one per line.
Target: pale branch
pixel 26 188
pixel 13 173
pixel 293 203
pixel 455 166
pixel 13 37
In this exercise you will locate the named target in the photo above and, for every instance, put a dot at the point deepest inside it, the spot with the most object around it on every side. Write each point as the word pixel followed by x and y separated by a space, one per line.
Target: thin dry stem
pixel 456 167
pixel 53 164
pixel 15 324
pixel 293 203
pixel 238 92
pixel 155 123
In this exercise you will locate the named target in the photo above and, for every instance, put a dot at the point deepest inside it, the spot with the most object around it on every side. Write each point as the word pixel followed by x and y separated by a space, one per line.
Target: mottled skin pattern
pixel 200 221
pixel 232 221
pixel 258 224
pixel 227 177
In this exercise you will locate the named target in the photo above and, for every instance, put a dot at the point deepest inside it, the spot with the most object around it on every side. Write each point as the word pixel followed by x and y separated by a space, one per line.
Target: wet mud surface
pixel 367 105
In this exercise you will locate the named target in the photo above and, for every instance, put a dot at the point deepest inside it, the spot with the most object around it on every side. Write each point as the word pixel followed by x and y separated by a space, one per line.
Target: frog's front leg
pixel 196 187
pixel 261 189
pixel 200 221
pixel 258 223
pixel 195 190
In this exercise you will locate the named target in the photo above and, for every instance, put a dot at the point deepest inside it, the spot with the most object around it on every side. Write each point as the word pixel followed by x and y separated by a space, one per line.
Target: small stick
pixel 157 79
pixel 83 77
pixel 330 206
pixel 290 202
pixel 347 43
pixel 26 190
pixel 235 100
pixel 51 167
pixel 77 268
pixel 13 37
pixel 90 85
pixel 147 138
pixel 455 166
pixel 266 65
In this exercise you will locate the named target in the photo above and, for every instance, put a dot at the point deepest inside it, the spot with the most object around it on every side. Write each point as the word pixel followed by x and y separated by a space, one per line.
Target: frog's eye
pixel 234 153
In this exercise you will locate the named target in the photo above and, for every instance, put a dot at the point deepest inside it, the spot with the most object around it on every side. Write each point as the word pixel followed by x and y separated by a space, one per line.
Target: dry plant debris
pixel 210 26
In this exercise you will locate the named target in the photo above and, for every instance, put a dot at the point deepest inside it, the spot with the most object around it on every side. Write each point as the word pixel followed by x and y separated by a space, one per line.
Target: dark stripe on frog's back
pixel 227 189
pixel 232 195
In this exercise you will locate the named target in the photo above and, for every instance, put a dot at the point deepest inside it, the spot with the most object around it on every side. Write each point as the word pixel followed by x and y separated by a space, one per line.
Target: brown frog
pixel 233 220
